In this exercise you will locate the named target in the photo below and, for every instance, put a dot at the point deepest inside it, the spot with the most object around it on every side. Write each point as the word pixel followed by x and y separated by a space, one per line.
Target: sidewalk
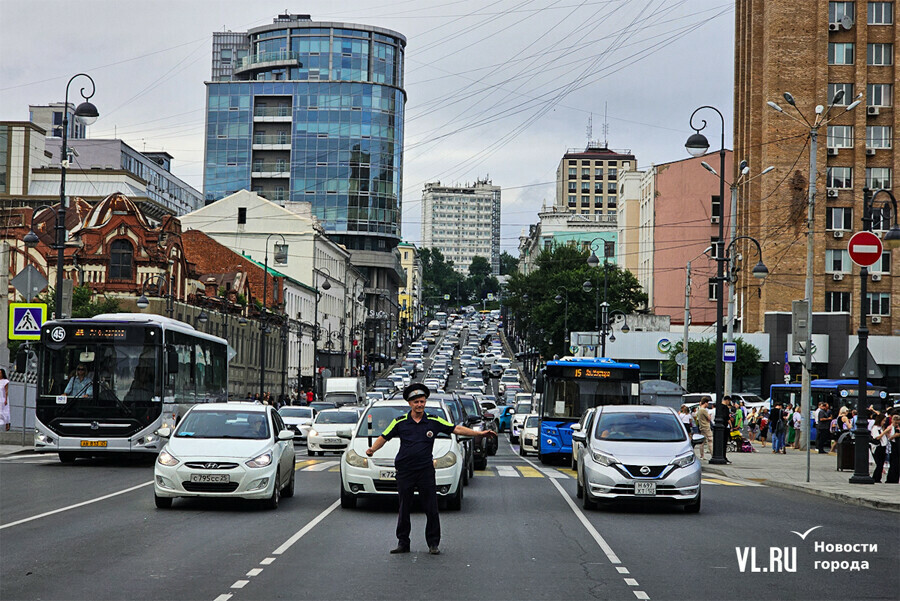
pixel 789 472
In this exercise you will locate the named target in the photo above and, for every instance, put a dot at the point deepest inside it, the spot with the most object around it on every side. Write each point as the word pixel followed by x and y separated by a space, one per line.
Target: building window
pixel 840 53
pixel 612 173
pixel 598 187
pixel 834 88
pixel 242 215
pixel 598 172
pixel 840 136
pixel 713 289
pixel 573 187
pixel 611 187
pixel 879 94
pixel 573 172
pixel 883 265
pixel 878 136
pixel 585 187
pixel 837 301
pixel 839 177
pixel 585 201
pixel 716 207
pixel 572 201
pixel 837 261
pixel 879 303
pixel 881 218
pixel 881 13
pixel 598 202
pixel 225 54
pixel 585 172
pixel 120 256
pixel 839 10
pixel 839 218
pixel 878 177
pixel 879 55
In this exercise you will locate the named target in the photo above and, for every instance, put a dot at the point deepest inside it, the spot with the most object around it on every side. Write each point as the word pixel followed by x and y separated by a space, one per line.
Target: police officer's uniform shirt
pixel 416 439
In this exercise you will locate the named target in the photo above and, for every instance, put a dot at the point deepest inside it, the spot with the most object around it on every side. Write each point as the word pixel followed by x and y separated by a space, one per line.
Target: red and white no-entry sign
pixel 865 248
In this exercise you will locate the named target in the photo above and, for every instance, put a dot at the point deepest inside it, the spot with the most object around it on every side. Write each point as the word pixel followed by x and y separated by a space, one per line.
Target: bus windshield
pixel 569 398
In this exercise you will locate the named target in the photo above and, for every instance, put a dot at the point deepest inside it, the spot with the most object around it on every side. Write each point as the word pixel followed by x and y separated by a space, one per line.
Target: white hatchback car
pixel 376 475
pixel 324 434
pixel 529 436
pixel 226 450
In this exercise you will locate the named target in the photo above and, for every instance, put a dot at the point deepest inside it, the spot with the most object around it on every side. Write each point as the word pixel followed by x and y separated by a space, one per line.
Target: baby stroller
pixel 737 443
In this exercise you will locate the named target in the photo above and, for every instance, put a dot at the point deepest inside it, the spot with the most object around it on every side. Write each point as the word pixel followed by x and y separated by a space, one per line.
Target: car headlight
pixel 313 432
pixel 478 428
pixel 603 458
pixel 356 460
pixel 261 460
pixel 167 459
pixel 683 460
pixel 448 460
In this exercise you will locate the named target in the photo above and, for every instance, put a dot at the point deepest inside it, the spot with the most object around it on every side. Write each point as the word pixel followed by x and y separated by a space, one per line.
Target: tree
pixel 508 263
pixel 439 277
pixel 702 357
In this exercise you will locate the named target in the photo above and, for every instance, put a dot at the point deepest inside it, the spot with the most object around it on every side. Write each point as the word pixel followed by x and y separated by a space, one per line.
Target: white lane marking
pixel 300 533
pixel 641 595
pixel 254 572
pixel 76 505
pixel 507 471
pixel 267 561
pixel 587 525
pixel 240 584
pixel 622 570
pixel 223 597
pixel 552 473
pixel 321 467
pixel 631 582
pixel 28 459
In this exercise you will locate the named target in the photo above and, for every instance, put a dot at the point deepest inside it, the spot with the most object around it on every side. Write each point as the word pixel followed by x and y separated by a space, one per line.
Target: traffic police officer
pixel 415 463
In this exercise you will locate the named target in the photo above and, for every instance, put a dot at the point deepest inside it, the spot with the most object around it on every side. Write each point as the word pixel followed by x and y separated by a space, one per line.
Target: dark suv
pixel 477 420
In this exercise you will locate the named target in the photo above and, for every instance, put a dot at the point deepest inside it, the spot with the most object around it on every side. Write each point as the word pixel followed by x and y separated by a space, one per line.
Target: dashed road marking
pixel 254 572
pixel 529 472
pixel 507 471
pixel 240 584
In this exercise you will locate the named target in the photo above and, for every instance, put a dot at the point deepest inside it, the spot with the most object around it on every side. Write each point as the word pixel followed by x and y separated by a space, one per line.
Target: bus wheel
pixel 67 457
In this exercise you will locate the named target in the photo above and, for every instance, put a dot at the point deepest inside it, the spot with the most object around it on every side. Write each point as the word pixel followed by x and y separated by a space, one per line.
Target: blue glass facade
pixel 314 114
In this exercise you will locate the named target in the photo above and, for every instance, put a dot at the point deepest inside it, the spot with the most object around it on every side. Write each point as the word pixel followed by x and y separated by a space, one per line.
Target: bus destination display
pixel 98 333
pixel 590 372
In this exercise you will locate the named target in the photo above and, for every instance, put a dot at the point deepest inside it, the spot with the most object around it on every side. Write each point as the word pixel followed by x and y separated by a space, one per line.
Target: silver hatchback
pixel 635 452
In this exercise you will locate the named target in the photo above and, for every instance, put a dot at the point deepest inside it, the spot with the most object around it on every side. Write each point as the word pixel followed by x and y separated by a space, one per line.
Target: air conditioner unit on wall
pixel 870 152
pixel 832 193
pixel 876 277
pixel 832 152
pixel 833 27
pixel 714 219
pixel 872 111
pixel 838 277
pixel 876 319
pixel 838 234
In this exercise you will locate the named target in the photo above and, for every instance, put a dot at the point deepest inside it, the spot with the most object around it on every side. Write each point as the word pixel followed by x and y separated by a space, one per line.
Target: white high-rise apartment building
pixel 463 222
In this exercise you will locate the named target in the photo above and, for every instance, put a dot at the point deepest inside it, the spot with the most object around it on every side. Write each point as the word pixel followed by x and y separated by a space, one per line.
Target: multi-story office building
pixel 49 117
pixel 410 297
pixel 463 222
pixel 813 50
pixel 587 181
pixel 299 110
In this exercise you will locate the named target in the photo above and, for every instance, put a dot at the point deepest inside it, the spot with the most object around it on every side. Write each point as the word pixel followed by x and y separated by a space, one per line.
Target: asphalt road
pixel 91 531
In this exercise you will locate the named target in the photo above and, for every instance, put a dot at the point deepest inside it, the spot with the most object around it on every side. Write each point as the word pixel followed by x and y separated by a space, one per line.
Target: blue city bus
pixel 837 393
pixel 572 385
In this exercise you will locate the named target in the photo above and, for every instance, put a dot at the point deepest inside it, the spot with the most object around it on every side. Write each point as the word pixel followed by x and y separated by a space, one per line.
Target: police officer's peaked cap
pixel 415 389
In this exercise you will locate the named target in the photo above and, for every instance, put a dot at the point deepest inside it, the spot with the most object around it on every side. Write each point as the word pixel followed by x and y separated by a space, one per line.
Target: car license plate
pixel 211 478
pixel 333 441
pixel 645 488
pixel 93 443
pixel 387 475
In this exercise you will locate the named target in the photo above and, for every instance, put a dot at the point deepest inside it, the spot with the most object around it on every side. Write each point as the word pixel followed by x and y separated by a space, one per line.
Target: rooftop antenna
pixel 590 128
pixel 605 126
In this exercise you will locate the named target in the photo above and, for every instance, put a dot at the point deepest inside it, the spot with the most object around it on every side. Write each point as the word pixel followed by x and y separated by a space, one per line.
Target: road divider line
pixel 641 595
pixel 610 554
pixel 75 506
pixel 622 570
pixel 302 532
pixel 223 597
pixel 267 561
pixel 254 572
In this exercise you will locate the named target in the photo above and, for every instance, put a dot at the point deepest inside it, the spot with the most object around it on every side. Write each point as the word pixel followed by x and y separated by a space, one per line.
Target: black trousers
pixel 893 475
pixel 880 453
pixel 823 437
pixel 423 480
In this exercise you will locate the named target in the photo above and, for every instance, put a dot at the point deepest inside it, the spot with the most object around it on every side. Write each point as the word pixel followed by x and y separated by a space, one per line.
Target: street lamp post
pixel 280 258
pixel 143 302
pixel 87 114
pixel 697 145
pixel 326 285
pixel 560 298
pixel 861 434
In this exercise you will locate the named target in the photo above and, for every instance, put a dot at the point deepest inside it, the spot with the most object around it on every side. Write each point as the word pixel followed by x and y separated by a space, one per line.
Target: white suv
pixel 376 475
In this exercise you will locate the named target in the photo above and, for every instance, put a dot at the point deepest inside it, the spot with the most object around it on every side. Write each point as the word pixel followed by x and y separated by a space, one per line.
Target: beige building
pixel 410 297
pixel 587 180
pixel 813 50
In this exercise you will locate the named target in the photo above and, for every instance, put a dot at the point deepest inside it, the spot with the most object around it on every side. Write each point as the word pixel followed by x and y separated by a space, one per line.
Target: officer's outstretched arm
pixel 379 442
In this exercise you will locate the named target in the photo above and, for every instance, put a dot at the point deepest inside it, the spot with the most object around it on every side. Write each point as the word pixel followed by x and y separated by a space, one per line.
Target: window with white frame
pixel 878 136
pixel 882 265
pixel 837 260
pixel 881 13
pixel 879 55
pixel 840 136
pixel 839 218
pixel 572 201
pixel 839 177
pixel 840 53
pixel 879 94
pixel 834 88
pixel 879 303
pixel 839 10
pixel 881 218
pixel 837 301
pixel 878 177
pixel 713 289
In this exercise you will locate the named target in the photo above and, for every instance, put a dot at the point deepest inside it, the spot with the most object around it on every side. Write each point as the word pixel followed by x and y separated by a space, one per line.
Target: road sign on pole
pixel 25 320
pixel 729 352
pixel 29 283
pixel 865 248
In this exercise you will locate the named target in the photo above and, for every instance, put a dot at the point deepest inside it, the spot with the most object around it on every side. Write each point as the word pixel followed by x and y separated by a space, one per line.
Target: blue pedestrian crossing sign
pixel 25 320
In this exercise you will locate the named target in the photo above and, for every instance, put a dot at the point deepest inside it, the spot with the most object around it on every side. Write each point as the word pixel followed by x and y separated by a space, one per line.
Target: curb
pixel 837 496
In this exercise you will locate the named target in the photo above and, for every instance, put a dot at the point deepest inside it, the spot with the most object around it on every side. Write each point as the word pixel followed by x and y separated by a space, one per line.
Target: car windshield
pixel 533 421
pixel 510 378
pixel 295 412
pixel 224 424
pixel 337 417
pixel 639 427
pixel 523 408
pixel 383 382
pixel 379 417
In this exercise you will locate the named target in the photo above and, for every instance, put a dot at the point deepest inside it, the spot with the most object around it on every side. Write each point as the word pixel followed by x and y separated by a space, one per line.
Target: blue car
pixel 505 419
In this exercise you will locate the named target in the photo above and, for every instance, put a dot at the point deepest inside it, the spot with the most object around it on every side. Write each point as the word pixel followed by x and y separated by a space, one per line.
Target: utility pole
pixel 687 321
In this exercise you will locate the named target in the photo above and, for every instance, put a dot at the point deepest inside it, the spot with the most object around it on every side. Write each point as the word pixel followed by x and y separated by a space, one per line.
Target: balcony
pixel 280 141
pixel 269 169
pixel 272 114
pixel 267 60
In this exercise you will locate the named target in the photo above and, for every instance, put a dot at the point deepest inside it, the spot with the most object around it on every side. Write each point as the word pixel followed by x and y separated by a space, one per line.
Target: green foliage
pixel 702 357
pixel 441 278
pixel 508 263
pixel 242 300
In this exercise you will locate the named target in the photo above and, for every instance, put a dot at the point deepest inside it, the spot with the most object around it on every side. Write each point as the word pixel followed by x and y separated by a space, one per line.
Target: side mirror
pixel 579 437
pixel 576 427
pixel 164 432
pixel 21 361
pixel 171 360
pixel 345 434
pixel 512 411
pixel 697 439
pixel 285 435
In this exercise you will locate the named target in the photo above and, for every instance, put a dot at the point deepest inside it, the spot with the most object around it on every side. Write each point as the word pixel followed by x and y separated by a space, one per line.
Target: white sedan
pixel 226 450
pixel 323 436
pixel 299 420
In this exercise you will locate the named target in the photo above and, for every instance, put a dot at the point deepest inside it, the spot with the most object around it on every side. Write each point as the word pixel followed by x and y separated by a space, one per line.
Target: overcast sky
pixel 496 88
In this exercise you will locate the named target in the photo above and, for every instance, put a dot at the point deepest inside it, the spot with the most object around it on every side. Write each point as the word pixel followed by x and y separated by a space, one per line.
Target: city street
pixel 90 531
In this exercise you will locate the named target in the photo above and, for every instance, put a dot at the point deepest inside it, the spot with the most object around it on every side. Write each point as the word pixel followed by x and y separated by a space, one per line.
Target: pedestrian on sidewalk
pixel 797 419
pixel 839 425
pixel 4 400
pixel 892 433
pixel 823 423
pixel 763 426
pixel 753 424
pixel 686 419
pixel 879 439
pixel 703 422
pixel 778 425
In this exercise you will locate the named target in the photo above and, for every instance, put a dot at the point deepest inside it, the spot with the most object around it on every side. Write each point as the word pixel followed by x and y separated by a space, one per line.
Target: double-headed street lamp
pixel 280 259
pixel 601 310
pixel 142 302
pixel 861 434
pixel 559 299
pixel 87 114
